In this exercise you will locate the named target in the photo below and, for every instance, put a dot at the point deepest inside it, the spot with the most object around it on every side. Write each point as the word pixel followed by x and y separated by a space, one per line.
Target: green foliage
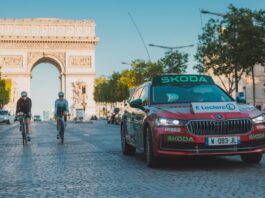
pixel 242 43
pixel 175 62
pixel 116 88
pixel 5 90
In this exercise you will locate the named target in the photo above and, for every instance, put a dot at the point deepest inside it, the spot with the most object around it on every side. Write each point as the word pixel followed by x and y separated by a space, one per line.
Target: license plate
pixel 217 141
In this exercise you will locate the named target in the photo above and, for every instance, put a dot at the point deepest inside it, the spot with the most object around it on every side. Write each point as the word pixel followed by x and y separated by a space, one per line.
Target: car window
pixel 3 112
pixel 137 94
pixel 188 93
pixel 144 95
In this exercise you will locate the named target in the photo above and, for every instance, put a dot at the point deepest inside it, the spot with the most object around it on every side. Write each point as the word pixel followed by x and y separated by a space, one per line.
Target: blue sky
pixel 164 22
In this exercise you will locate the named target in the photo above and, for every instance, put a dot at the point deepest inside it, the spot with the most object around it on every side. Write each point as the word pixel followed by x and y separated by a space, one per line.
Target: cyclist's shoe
pixel 29 138
pixel 58 136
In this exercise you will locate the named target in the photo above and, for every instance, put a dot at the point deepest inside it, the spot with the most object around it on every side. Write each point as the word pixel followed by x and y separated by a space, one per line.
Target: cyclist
pixel 24 105
pixel 61 109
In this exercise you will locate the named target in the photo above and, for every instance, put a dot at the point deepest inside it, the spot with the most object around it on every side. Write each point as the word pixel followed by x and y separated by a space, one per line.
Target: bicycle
pixel 61 126
pixel 24 128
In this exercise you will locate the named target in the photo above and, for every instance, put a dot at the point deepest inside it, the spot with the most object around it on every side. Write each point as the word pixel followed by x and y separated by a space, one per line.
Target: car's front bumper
pixel 189 144
pixel 4 120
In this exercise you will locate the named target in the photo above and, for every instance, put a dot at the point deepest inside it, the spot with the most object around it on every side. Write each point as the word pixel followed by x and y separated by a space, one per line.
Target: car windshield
pixel 3 112
pixel 188 93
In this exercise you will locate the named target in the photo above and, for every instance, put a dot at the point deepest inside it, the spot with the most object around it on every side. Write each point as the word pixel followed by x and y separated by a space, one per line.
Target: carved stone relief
pixel 79 95
pixel 33 57
pixel 80 61
pixel 14 93
pixel 11 61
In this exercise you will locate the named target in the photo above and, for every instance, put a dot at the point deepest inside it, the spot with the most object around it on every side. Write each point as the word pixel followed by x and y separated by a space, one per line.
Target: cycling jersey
pixel 61 106
pixel 24 106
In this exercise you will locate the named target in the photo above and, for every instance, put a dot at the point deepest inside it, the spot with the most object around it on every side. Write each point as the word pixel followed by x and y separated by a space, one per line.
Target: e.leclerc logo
pixel 214 107
pixel 230 106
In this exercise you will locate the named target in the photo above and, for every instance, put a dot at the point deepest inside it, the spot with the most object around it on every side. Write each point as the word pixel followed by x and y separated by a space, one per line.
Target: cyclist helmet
pixel 61 94
pixel 24 94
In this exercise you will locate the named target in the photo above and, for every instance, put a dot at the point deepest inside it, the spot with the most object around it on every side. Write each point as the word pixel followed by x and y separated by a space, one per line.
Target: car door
pixel 139 118
pixel 131 117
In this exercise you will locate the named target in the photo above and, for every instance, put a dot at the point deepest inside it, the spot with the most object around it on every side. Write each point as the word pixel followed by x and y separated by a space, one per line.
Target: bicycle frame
pixel 24 128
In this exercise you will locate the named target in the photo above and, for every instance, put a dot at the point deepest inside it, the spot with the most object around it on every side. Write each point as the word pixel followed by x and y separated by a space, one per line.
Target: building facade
pixel 245 85
pixel 67 44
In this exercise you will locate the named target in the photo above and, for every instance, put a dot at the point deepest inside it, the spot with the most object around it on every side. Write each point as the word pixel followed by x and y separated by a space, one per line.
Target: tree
pixel 5 89
pixel 117 87
pixel 100 89
pixel 174 62
pixel 241 43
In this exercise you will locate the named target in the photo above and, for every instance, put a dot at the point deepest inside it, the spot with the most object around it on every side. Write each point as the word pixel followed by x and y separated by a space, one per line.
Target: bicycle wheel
pixel 24 135
pixel 62 132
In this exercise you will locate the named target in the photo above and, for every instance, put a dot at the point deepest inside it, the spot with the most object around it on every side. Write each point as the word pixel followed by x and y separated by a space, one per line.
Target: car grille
pixel 212 127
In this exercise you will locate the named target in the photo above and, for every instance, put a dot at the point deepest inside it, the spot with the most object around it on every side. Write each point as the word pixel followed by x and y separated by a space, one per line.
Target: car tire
pixel 151 159
pixel 127 149
pixel 251 158
pixel 8 122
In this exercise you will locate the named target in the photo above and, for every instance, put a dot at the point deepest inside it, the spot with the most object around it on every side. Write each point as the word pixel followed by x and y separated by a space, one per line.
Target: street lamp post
pixel 170 48
pixel 235 64
pixel 125 63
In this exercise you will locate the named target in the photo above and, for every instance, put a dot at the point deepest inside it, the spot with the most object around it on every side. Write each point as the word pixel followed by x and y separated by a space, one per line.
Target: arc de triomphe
pixel 67 44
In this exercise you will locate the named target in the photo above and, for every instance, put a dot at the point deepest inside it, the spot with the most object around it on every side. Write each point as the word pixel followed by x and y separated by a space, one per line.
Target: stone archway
pixel 68 44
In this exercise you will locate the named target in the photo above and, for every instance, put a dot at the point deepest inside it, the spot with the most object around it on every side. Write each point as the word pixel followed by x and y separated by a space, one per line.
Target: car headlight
pixel 167 122
pixel 259 119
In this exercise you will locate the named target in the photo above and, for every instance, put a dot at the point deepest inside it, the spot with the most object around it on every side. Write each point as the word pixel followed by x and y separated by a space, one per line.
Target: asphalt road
pixel 90 164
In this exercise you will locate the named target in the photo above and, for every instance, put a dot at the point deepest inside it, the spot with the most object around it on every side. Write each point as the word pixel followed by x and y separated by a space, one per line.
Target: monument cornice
pixel 48 39
pixel 47 27
pixel 46 21
pixel 48 44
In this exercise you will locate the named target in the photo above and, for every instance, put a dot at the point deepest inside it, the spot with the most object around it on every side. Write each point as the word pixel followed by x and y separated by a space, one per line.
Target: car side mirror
pixel 241 100
pixel 137 103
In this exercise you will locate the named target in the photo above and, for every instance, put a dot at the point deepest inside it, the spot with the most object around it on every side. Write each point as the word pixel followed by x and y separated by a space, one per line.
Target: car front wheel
pixel 251 158
pixel 151 160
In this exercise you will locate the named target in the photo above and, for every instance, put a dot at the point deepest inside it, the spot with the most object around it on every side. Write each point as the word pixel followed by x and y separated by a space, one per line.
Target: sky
pixel 161 22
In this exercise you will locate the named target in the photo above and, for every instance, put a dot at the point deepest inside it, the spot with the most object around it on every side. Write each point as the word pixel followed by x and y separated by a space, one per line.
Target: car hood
pixel 185 112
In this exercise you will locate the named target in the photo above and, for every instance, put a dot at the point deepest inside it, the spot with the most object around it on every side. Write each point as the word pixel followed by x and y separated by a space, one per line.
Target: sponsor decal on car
pixel 172 129
pixel 210 107
pixel 183 79
pixel 176 138
pixel 186 79
pixel 257 136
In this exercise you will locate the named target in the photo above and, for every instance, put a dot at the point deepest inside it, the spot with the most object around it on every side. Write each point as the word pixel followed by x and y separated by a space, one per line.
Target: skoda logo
pixel 219 117
pixel 231 106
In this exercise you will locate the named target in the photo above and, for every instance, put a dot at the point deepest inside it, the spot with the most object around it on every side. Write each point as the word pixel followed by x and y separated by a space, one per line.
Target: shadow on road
pixel 198 163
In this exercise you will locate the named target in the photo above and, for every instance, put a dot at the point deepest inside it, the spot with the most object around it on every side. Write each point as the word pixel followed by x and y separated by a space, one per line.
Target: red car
pixel 189 115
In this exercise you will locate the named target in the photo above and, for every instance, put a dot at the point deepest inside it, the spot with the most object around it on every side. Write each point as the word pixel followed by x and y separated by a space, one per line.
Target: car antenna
pixel 140 35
